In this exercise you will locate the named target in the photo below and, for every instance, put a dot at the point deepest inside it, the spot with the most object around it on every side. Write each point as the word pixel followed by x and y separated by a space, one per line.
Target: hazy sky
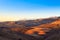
pixel 28 9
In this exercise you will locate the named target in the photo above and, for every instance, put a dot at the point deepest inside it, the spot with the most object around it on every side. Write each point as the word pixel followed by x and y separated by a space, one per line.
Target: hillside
pixel 39 29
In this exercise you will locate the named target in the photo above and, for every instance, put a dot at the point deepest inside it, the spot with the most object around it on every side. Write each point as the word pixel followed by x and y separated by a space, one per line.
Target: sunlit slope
pixel 42 29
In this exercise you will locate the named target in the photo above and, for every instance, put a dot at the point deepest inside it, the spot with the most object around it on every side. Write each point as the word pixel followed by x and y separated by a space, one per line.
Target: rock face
pixel 40 29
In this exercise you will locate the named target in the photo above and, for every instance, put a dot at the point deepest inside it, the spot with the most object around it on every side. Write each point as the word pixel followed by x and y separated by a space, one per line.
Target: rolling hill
pixel 39 29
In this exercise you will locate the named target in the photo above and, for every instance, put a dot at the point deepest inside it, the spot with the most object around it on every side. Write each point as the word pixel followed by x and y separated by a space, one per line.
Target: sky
pixel 11 10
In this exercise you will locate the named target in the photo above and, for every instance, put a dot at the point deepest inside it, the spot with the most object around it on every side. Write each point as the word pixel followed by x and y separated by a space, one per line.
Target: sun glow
pixel 8 18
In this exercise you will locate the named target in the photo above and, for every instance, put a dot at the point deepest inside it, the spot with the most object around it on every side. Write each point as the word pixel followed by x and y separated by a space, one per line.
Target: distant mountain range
pixel 39 29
